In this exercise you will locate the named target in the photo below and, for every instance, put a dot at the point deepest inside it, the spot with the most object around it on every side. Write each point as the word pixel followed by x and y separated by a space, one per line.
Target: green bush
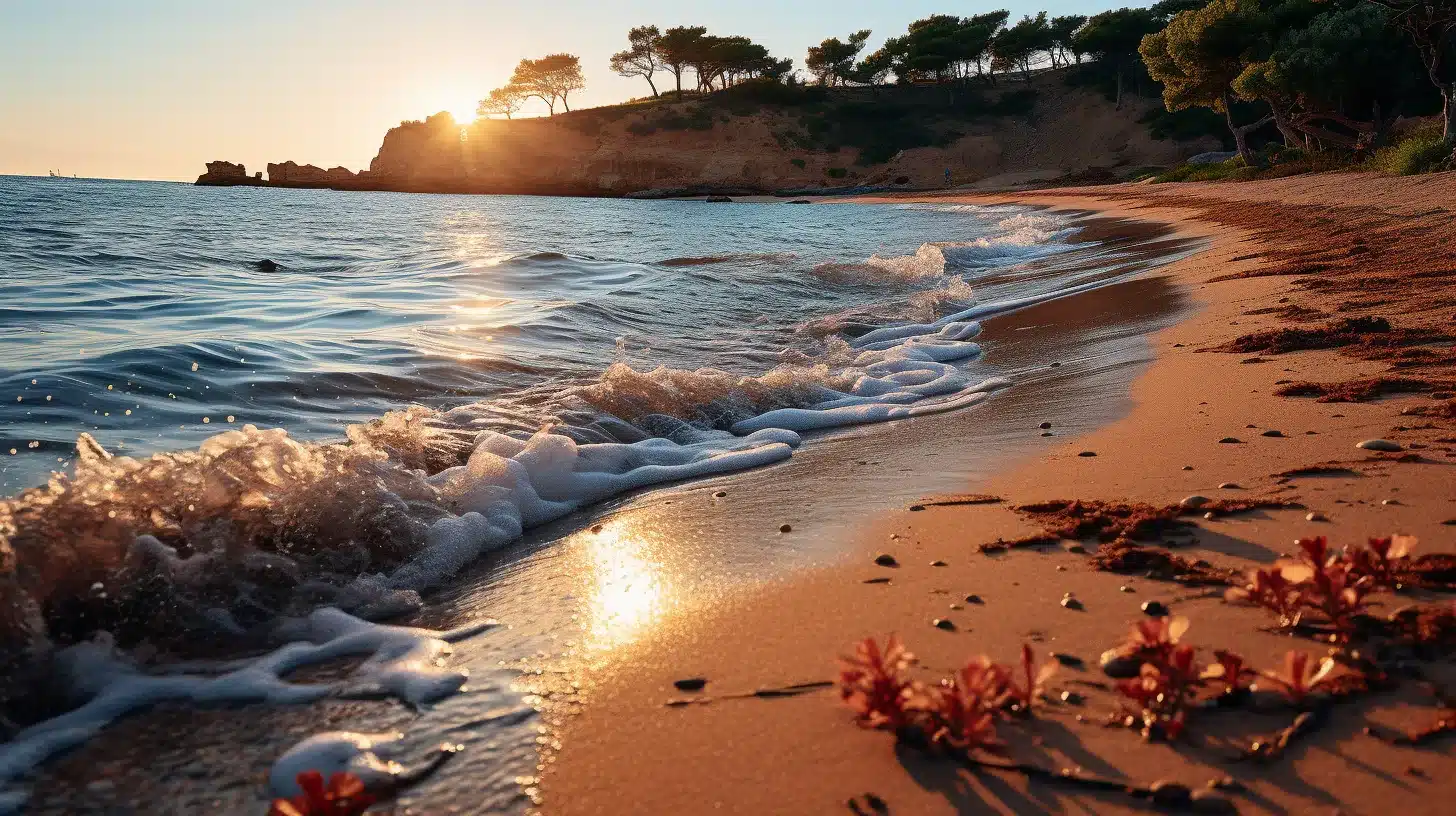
pixel 1221 171
pixel 837 172
pixel 1423 151
pixel 799 163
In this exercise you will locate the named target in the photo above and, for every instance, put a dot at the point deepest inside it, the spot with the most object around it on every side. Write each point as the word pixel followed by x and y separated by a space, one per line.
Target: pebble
pixel 691 683
pixel 1276 434
pixel 1194 502
pixel 1088 453
pixel 1230 486
pixel 1069 660
pixel 938 564
pixel 1045 425
pixel 1210 516
pixel 1384 445
pixel 1071 603
pixel 1061 568
pixel 943 624
pixel 1046 433
pixel 596 528
pixel 1187 467
pixel 886 560
pixel 786 528
pixel 1154 609
pixel 1206 801
pixel 720 494
pixel 1125 588
pixel 1316 517
pixel 975 599
pixel 1119 666
pixel 1389 502
pixel 1168 794
pixel 1073 698
pixel 1230 440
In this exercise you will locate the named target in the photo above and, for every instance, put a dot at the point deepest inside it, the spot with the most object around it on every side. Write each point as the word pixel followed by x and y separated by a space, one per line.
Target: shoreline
pixel 802 754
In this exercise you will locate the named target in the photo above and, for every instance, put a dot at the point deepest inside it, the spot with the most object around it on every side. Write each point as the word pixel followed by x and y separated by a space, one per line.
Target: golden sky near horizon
pixel 153 89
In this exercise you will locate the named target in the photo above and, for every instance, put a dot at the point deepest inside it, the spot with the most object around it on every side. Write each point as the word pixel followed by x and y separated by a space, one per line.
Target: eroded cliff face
pixel 744 147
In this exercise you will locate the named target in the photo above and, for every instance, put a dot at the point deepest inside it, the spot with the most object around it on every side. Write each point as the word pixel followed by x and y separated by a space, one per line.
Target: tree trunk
pixel 1118 104
pixel 1241 132
pixel 1292 137
pixel 677 75
pixel 653 86
pixel 1448 96
pixel 564 104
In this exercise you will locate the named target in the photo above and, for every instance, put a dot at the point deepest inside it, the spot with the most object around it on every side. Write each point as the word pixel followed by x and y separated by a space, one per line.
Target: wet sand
pixel 1285 254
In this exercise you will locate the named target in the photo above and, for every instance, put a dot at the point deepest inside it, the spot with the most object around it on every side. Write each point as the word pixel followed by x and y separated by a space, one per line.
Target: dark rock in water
pixel 691 683
pixel 719 200
pixel 266 265
pixel 943 624
pixel 886 560
pixel 1155 609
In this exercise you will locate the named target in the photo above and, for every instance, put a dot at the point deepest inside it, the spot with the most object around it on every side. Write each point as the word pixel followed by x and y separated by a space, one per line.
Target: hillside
pixel 766 138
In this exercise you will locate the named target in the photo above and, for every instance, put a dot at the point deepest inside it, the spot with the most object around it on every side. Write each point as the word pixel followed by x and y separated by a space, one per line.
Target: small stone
pixel 1230 486
pixel 1047 433
pixel 943 624
pixel 1210 516
pixel 691 683
pixel 1045 425
pixel 1119 666
pixel 1169 794
pixel 956 607
pixel 1075 547
pixel 876 581
pixel 720 494
pixel 1187 467
pixel 916 508
pixel 786 528
pixel 1230 440
pixel 1389 502
pixel 1125 588
pixel 1061 568
pixel 1194 502
pixel 1384 445
pixel 596 528
pixel 1207 801
pixel 938 563
pixel 1154 609
pixel 886 560
pixel 1073 698
pixel 1315 516
pixel 1069 660
pixel 1071 603
pixel 1275 434
pixel 974 599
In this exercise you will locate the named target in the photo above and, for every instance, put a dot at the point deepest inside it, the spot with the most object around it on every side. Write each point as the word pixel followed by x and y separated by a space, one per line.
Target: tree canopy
pixel 833 61
pixel 551 79
pixel 642 58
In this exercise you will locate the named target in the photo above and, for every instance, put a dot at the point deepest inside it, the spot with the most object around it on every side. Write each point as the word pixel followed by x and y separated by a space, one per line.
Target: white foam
pixel 404 662
pixel 331 752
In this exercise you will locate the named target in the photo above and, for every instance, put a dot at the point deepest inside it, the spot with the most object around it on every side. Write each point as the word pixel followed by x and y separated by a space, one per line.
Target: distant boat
pixel 55 174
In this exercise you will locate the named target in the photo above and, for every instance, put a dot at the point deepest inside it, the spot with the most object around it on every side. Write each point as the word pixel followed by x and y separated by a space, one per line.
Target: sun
pixel 463 111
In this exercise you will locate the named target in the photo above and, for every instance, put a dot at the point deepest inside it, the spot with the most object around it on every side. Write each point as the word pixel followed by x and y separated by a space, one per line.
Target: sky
pixel 154 89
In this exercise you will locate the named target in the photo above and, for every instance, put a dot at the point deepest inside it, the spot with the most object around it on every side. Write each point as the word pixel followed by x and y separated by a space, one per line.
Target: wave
pixel 1020 238
pixel 747 257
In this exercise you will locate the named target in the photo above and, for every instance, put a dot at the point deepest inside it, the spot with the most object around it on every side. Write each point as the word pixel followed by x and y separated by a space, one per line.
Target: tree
pixel 1113 38
pixel 1431 27
pixel 678 48
pixel 832 61
pixel 1017 46
pixel 1063 35
pixel 875 68
pixel 550 79
pixel 501 102
pixel 641 57
pixel 1200 54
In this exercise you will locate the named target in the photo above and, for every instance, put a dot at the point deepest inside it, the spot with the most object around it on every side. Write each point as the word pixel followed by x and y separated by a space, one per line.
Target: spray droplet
pixel 230 417
pixel 194 366
pixel 48 397
pixel 206 420
pixel 13 451
pixel 128 412
pixel 110 388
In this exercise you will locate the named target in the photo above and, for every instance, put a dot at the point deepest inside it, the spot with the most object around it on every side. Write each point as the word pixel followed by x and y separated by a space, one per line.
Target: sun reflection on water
pixel 628 589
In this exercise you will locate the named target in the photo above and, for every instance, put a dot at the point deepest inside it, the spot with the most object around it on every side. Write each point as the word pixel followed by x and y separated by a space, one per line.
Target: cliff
pixel 764 139
pixel 227 174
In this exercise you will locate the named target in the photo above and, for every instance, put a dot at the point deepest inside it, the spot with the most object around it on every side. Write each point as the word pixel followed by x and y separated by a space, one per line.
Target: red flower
pixel 1228 668
pixel 344 796
pixel 1300 677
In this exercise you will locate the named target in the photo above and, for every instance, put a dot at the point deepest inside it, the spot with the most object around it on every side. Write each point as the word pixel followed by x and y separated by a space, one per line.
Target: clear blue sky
pixel 155 88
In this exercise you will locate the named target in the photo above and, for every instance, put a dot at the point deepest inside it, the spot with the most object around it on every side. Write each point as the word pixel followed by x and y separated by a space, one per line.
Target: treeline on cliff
pixel 1309 75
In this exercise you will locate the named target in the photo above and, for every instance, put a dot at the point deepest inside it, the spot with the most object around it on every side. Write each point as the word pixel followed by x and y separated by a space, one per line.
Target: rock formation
pixel 227 174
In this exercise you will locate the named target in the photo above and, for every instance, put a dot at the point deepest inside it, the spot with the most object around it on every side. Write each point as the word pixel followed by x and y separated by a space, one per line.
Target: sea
pixel 234 418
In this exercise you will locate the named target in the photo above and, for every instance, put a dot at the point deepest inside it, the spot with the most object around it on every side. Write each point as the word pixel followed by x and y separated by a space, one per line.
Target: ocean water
pixel 198 446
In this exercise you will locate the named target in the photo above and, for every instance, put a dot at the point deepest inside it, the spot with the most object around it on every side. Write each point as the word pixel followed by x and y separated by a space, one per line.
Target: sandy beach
pixel 1291 256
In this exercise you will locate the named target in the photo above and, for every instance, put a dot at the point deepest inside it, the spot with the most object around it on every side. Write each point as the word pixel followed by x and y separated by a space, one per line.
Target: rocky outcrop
pixel 735 146
pixel 291 174
pixel 227 174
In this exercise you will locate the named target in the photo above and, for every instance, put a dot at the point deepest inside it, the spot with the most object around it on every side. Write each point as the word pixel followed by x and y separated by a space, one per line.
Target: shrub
pixel 799 163
pixel 1423 151
pixel 836 172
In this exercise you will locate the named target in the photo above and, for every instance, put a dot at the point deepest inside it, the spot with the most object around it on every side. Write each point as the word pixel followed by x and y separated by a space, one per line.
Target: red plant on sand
pixel 873 683
pixel 1228 668
pixel 1300 677
pixel 963 708
pixel 1333 584
pixel 1034 680
pixel 343 796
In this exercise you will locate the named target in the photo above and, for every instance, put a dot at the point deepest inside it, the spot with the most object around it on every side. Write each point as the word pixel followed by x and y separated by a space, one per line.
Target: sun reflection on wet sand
pixel 628 589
